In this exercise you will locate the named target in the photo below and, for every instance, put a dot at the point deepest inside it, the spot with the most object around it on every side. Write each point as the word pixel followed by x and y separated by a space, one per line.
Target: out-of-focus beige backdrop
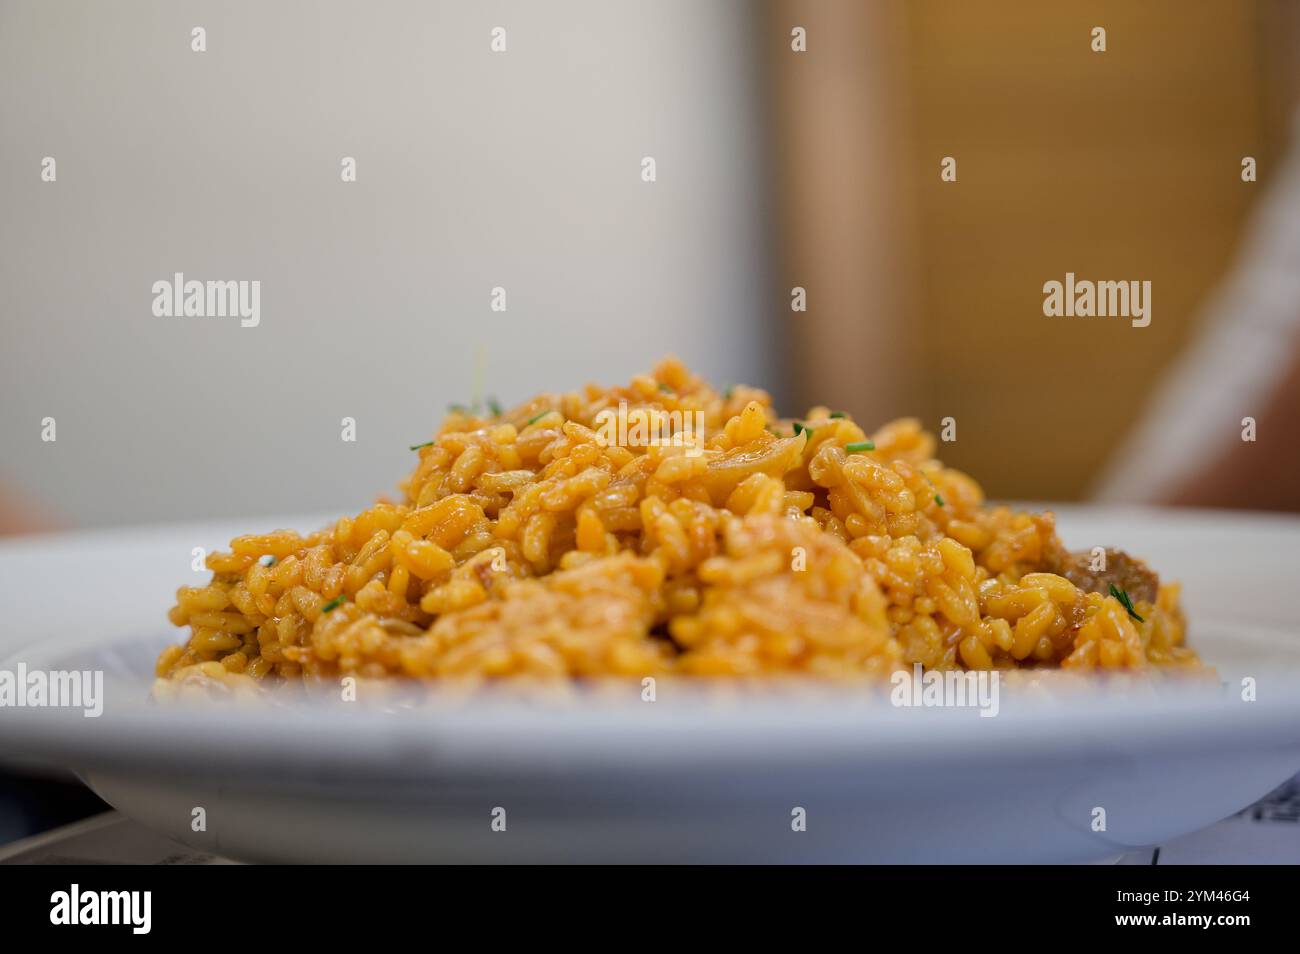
pixel 1115 165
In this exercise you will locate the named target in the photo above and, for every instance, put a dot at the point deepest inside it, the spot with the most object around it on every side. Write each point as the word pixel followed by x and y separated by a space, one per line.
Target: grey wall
pixel 475 169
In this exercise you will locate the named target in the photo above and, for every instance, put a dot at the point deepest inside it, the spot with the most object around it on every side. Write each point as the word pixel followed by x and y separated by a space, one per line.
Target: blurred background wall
pixel 475 170
pixel 522 169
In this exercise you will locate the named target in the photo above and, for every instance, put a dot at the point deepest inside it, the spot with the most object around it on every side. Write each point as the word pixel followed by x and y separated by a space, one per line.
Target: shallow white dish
pixel 689 780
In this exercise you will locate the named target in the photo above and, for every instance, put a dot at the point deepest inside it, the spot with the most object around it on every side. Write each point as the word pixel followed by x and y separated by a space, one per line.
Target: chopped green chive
pixel 537 417
pixel 665 388
pixel 418 446
pixel 457 408
pixel 1125 601
pixel 837 414
pixel 857 447
pixel 801 428
pixel 334 603
pixel 494 406
pixel 730 390
pixel 937 498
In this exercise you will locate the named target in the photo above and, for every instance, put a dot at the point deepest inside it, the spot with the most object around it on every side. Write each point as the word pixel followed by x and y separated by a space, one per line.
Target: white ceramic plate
pixel 684 778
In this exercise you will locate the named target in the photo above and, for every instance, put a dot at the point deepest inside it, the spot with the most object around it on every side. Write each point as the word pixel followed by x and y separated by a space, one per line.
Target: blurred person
pixel 1220 429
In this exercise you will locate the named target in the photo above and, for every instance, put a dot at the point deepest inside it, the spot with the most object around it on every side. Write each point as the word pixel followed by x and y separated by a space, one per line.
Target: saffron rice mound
pixel 665 527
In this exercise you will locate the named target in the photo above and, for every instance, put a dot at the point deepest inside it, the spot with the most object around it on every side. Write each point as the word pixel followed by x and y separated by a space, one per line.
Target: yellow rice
pixel 526 543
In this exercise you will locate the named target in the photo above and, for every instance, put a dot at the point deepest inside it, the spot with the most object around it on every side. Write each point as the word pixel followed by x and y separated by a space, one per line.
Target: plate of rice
pixel 667 528
pixel 661 621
